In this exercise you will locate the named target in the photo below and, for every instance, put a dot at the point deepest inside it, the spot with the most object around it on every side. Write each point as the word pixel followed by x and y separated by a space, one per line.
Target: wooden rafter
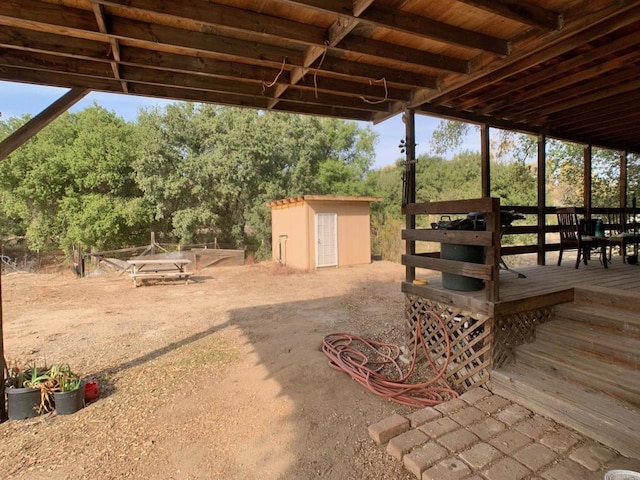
pixel 98 11
pixel 506 63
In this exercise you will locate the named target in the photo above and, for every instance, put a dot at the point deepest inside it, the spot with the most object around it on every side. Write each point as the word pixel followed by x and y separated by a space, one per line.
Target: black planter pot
pixel 22 402
pixel 69 402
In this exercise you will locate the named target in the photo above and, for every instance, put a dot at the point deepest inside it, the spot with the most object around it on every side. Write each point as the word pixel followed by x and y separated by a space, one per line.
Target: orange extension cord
pixel 345 356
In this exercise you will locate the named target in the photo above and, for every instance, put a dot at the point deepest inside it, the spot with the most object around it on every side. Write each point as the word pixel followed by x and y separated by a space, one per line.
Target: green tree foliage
pixel 211 169
pixel 73 183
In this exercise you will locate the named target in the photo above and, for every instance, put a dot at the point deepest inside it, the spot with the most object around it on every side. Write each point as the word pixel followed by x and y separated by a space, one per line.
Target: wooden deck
pixel 543 286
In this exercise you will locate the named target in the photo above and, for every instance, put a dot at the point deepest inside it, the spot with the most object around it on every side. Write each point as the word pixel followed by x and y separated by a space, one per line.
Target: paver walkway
pixel 481 436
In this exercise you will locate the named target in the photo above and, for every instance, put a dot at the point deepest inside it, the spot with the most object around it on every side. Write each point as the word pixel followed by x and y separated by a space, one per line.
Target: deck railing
pixel 488 271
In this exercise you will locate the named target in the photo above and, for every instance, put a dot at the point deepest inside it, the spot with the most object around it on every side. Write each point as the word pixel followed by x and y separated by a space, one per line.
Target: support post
pixel 37 123
pixel 410 183
pixel 587 181
pixel 3 409
pixel 485 160
pixel 542 198
pixel 624 181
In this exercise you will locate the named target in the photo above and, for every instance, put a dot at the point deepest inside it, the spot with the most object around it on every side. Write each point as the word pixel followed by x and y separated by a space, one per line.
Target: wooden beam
pixel 37 123
pixel 542 199
pixel 397 20
pixel 376 48
pixel 98 11
pixel 485 160
pixel 624 180
pixel 567 65
pixel 581 30
pixel 521 12
pixel 587 181
pixel 409 187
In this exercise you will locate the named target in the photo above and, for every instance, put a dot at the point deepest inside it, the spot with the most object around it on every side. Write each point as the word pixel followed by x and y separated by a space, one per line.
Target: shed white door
pixel 326 239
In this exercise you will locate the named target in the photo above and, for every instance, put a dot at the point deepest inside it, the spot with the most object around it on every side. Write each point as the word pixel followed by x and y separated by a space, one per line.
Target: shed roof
pixel 322 198
pixel 565 68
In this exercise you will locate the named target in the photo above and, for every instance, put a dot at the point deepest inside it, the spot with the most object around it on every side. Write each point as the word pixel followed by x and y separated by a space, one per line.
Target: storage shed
pixel 314 231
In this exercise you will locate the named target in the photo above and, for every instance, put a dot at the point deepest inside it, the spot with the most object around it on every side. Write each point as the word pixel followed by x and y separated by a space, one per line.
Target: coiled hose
pixel 345 355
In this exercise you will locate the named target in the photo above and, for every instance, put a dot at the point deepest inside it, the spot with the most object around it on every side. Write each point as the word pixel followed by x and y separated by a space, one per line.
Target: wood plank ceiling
pixel 566 68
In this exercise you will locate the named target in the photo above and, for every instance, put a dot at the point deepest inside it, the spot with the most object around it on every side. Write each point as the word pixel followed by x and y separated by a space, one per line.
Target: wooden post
pixel 485 160
pixel 542 198
pixel 587 181
pixel 3 410
pixel 410 183
pixel 624 181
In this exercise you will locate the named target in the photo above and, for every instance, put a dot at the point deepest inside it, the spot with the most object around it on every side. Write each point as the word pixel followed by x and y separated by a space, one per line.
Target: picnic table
pixel 141 268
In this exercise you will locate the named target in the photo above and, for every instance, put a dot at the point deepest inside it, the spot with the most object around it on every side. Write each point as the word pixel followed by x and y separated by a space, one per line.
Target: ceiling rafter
pixel 396 20
pixel 98 10
pixel 610 48
pixel 571 71
pixel 576 32
pixel 521 12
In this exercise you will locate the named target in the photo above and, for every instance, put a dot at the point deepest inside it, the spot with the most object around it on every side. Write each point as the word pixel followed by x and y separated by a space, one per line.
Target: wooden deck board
pixel 542 280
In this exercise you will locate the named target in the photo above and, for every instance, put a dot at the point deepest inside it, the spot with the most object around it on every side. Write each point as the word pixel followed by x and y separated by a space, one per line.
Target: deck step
pixel 581 337
pixel 604 317
pixel 616 380
pixel 605 419
pixel 608 298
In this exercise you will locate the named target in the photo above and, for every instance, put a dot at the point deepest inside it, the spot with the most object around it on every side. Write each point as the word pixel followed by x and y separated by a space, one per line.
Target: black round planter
pixel 22 402
pixel 69 402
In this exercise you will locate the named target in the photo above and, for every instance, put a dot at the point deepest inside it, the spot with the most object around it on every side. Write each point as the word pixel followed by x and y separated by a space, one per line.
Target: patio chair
pixel 571 238
pixel 619 234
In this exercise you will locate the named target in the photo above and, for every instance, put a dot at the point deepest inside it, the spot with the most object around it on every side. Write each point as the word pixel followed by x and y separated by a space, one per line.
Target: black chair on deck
pixel 571 238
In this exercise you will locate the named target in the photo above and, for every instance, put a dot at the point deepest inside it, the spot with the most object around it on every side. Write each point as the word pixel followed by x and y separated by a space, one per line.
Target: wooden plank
pixel 604 419
pixel 475 270
pixel 449 207
pixel 40 121
pixel 521 12
pixel 611 379
pixel 470 303
pixel 463 237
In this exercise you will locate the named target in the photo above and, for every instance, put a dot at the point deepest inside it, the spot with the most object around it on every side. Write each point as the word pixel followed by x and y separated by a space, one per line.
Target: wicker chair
pixel 571 238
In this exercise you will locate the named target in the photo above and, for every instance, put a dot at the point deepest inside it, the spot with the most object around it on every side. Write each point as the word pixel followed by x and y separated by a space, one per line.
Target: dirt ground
pixel 222 378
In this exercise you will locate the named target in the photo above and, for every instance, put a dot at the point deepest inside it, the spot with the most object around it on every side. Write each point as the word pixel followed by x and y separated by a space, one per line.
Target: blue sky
pixel 20 98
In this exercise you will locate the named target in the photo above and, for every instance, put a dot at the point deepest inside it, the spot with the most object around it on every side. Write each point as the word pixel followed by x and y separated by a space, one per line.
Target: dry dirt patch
pixel 221 378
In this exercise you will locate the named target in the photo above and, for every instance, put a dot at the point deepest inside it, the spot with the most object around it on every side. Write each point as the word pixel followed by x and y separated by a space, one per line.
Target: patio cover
pixel 564 68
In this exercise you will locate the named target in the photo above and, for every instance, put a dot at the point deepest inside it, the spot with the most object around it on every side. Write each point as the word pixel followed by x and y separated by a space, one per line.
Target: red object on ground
pixel 91 391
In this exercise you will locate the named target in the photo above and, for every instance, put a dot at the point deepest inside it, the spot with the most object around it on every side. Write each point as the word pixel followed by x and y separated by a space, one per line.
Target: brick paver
pixel 458 439
pixel 509 441
pixel 492 403
pixel 559 439
pixel 592 456
pixel 439 427
pixel 423 415
pixel 449 469
pixel 404 442
pixel 566 470
pixel 468 415
pixel 481 436
pixel 535 426
pixel 487 428
pixel 535 456
pixel 513 414
pixel 386 429
pixel 480 455
pixel 424 457
pixel 506 469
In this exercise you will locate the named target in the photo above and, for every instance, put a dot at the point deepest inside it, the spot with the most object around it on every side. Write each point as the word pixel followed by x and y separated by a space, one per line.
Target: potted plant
pixel 27 394
pixel 68 389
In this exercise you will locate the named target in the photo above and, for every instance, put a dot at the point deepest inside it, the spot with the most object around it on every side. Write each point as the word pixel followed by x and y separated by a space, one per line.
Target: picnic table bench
pixel 141 268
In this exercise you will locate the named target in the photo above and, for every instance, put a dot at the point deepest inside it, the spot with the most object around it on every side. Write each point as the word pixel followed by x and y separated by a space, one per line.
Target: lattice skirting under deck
pixel 478 343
